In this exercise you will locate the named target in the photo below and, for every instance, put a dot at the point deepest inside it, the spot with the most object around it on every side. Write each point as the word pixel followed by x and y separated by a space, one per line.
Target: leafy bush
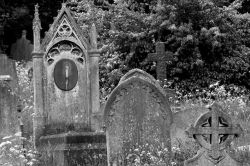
pixel 15 150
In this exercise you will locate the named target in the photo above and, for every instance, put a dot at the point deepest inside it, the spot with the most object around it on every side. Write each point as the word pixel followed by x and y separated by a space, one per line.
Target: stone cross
pixel 161 57
pixel 218 126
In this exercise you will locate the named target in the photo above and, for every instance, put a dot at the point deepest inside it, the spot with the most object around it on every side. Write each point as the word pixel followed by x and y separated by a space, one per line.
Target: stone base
pixel 73 149
pixel 202 159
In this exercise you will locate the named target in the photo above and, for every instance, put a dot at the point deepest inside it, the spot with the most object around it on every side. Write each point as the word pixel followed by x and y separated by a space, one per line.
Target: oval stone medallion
pixel 65 74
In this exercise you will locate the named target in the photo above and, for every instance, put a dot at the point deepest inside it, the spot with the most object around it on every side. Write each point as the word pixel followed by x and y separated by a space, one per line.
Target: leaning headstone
pixel 8 99
pixel 22 49
pixel 183 118
pixel 214 131
pixel 137 119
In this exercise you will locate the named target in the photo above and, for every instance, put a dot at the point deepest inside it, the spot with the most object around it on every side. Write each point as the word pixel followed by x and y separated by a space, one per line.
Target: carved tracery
pixel 214 131
pixel 65 46
pixel 64 30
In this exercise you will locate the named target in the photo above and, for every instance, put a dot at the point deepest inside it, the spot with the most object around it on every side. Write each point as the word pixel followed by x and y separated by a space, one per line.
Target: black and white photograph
pixel 124 82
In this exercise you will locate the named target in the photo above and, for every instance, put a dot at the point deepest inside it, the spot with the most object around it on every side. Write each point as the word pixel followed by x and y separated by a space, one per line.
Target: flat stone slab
pixel 72 148
pixel 5 78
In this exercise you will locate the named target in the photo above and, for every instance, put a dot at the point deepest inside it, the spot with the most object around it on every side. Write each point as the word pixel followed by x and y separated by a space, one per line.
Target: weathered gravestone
pixel 66 94
pixel 8 98
pixel 137 117
pixel 214 131
pixel 184 117
pixel 22 49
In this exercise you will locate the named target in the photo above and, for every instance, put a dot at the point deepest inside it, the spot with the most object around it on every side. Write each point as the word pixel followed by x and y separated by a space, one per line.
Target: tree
pixel 210 42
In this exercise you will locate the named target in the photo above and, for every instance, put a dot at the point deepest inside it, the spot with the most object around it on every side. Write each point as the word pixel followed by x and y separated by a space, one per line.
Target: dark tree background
pixel 210 38
pixel 20 14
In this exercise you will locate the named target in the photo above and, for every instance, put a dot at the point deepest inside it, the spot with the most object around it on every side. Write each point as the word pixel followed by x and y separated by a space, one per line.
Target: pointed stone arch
pixel 64 18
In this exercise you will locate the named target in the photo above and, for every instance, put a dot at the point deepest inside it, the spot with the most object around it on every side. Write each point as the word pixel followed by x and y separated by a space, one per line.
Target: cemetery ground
pixel 187 110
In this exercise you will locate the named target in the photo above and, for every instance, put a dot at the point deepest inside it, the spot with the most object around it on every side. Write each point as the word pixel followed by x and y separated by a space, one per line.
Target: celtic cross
pixel 214 131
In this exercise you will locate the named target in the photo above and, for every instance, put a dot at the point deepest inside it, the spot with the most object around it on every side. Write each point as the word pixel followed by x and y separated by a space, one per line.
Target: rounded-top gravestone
pixel 137 118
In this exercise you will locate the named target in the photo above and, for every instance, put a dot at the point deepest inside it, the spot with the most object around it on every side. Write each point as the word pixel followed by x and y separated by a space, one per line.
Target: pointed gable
pixel 64 27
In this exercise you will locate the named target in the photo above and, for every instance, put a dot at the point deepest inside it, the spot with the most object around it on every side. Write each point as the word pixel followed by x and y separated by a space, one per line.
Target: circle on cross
pixel 214 129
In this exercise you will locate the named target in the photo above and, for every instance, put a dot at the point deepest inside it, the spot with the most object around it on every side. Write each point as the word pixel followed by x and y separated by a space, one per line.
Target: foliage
pixel 16 149
pixel 25 94
pixel 148 154
pixel 25 83
pixel 235 102
pixel 209 41
pixel 13 152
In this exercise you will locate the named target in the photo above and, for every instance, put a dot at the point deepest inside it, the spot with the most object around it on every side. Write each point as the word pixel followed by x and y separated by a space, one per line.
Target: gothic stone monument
pixel 66 93
pixel 213 131
pixel 137 116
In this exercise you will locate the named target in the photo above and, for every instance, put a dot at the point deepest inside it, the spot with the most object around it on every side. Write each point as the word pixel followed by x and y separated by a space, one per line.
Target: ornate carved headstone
pixel 22 49
pixel 66 90
pixel 214 131
pixel 137 116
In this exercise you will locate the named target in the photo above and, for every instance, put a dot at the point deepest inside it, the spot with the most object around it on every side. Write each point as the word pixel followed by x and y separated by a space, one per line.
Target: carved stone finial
pixel 64 5
pixel 93 36
pixel 24 33
pixel 36 30
pixel 36 21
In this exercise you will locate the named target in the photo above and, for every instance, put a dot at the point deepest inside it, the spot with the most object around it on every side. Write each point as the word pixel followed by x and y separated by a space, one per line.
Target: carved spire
pixel 93 36
pixel 36 30
pixel 64 5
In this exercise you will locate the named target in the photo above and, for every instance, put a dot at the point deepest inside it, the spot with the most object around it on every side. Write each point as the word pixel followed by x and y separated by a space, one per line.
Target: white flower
pixel 5 143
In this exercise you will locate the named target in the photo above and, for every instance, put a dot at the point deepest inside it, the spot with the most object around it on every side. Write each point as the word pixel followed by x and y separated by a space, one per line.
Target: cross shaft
pixel 160 57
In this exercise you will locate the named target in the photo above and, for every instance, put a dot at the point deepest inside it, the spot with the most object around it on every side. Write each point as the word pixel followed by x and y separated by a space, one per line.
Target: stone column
pixel 94 79
pixel 36 30
pixel 38 121
pixel 94 55
pixel 94 84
